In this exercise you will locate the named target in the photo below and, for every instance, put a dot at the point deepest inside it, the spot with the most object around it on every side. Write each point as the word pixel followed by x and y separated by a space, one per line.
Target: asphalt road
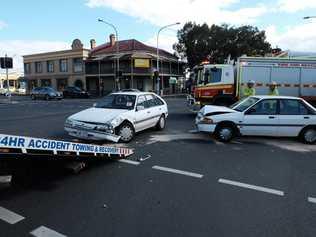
pixel 191 185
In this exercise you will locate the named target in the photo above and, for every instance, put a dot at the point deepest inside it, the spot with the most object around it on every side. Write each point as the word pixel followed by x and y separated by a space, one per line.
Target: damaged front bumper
pixel 91 134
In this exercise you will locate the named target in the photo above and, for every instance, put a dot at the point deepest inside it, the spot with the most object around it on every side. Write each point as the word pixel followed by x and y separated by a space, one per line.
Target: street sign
pixel 6 62
pixel 29 145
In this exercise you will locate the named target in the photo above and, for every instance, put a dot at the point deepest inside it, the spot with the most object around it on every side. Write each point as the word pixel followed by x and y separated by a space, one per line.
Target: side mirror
pixel 140 107
pixel 251 111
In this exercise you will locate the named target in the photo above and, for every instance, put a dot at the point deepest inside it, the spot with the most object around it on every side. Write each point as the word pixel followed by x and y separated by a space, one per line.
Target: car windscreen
pixel 244 104
pixel 49 89
pixel 117 101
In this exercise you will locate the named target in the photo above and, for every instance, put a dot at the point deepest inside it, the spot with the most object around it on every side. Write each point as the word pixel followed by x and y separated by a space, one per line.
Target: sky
pixel 35 26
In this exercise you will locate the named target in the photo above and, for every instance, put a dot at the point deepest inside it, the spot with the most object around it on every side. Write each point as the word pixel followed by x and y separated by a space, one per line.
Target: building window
pixel 50 66
pixel 61 84
pixel 63 65
pixel 38 67
pixel 78 83
pixel 27 68
pixel 78 65
pixel 46 82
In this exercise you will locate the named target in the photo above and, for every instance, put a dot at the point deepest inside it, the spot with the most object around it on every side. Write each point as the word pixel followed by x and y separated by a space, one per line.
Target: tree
pixel 198 43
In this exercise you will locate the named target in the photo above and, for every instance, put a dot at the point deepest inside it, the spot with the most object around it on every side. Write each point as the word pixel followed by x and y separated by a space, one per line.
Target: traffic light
pixel 6 62
pixel 156 74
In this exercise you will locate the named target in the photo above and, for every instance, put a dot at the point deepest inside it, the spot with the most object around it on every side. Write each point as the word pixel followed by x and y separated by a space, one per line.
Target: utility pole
pixel 7 74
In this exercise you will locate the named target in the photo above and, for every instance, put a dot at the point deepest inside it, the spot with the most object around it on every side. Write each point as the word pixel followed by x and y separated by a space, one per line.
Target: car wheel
pixel 225 133
pixel 126 132
pixel 308 135
pixel 46 97
pixel 161 123
pixel 33 97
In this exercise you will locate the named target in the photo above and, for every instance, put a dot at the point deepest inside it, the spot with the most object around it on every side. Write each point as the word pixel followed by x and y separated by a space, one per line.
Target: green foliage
pixel 215 43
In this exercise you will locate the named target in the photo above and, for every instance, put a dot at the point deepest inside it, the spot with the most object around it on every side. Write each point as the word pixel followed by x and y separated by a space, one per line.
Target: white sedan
pixel 119 116
pixel 278 116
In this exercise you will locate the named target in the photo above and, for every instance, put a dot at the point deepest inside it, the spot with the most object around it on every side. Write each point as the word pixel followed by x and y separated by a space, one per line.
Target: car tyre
pixel 47 97
pixel 33 97
pixel 161 123
pixel 308 135
pixel 126 132
pixel 225 133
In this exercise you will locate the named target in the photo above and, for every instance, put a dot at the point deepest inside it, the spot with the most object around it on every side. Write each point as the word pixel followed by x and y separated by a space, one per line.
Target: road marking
pixel 253 187
pixel 9 216
pixel 131 162
pixel 195 175
pixel 5 179
pixel 43 231
pixel 311 199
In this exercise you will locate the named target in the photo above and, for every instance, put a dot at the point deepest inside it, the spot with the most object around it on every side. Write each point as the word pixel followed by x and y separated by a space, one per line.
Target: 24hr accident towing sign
pixel 31 145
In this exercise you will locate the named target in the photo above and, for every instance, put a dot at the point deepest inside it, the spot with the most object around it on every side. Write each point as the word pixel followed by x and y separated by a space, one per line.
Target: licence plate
pixel 82 134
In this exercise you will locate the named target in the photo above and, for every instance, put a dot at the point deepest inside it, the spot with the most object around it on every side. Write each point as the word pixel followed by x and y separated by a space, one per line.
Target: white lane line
pixel 43 231
pixel 195 175
pixel 311 199
pixel 253 187
pixel 5 179
pixel 9 216
pixel 131 162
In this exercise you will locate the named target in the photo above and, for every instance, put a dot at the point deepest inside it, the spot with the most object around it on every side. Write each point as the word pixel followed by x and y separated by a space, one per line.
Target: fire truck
pixel 222 84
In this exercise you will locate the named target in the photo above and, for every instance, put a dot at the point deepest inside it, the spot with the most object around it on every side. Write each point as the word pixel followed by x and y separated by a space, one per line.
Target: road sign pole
pixel 7 75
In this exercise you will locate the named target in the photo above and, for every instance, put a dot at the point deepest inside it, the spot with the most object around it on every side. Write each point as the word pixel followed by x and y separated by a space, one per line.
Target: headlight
pixel 104 128
pixel 69 122
pixel 117 121
pixel 206 120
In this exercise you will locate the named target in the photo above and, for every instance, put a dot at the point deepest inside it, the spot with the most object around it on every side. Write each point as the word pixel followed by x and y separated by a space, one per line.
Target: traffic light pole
pixel 7 75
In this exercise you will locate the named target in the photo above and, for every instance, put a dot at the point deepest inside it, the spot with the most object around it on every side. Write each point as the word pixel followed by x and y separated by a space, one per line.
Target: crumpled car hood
pixel 97 115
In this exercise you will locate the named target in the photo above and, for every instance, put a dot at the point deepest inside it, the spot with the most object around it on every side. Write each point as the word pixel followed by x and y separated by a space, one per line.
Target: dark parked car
pixel 75 92
pixel 46 93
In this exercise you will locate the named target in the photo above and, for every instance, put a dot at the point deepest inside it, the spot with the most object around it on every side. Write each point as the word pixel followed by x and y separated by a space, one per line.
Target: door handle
pixel 271 117
pixel 148 112
pixel 306 117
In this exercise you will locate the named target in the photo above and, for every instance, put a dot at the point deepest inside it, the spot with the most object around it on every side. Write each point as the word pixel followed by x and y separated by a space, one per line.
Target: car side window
pixel 264 107
pixel 141 101
pixel 150 100
pixel 293 107
pixel 158 101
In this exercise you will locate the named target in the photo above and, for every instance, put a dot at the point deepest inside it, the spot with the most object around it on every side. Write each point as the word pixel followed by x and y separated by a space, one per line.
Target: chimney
pixel 112 39
pixel 92 43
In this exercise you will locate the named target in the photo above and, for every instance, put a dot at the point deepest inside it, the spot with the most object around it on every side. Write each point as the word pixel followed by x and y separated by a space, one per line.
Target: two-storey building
pixel 137 63
pixel 57 69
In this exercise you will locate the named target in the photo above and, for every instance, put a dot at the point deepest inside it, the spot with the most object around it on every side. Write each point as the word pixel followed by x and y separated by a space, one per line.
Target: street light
pixel 117 52
pixel 162 28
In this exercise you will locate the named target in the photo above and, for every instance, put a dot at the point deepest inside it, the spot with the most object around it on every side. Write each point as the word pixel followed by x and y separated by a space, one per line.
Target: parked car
pixel 46 93
pixel 75 92
pixel 278 116
pixel 119 116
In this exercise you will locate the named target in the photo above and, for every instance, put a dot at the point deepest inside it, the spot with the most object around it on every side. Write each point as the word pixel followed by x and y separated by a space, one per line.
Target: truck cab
pixel 214 84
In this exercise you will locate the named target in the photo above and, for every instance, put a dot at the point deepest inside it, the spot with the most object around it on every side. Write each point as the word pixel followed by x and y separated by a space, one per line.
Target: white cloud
pixel 296 38
pixel 292 6
pixel 18 48
pixel 165 11
pixel 3 25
